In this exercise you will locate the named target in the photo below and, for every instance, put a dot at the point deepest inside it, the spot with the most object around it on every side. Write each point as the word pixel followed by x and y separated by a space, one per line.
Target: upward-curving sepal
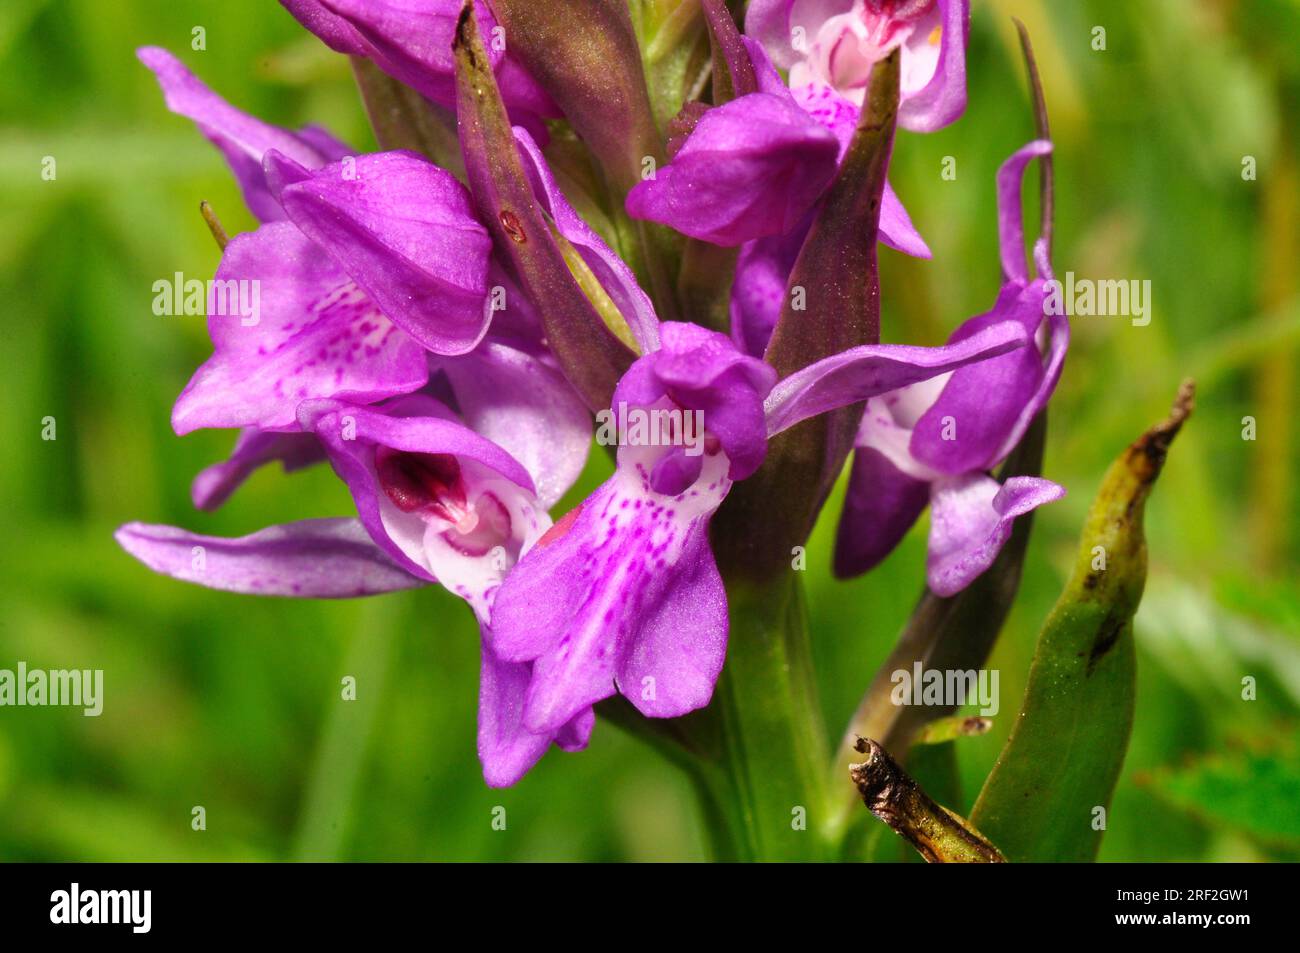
pixel 242 139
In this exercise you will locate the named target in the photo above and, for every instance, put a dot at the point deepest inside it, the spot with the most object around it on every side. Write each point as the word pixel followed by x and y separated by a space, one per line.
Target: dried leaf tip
pixel 1148 452
pixel 467 40
pixel 892 795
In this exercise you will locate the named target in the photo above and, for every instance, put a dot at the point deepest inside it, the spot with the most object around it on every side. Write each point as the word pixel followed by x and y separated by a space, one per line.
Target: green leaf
pixel 1040 802
pixel 1253 790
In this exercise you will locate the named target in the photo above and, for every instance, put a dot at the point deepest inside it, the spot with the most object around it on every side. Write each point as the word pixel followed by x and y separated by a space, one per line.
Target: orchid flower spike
pixel 443 343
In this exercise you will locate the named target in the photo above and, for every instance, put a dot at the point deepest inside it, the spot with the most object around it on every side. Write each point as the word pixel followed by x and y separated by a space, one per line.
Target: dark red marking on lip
pixel 422 482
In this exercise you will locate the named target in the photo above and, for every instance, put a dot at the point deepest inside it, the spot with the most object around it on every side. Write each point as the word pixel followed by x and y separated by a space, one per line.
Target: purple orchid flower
pixel 438 503
pixel 751 172
pixel 377 275
pixel 449 505
pixel 351 292
pixel 829 47
pixel 514 397
pixel 411 40
pixel 934 442
pixel 754 167
pixel 751 167
pixel 381 258
pixel 623 594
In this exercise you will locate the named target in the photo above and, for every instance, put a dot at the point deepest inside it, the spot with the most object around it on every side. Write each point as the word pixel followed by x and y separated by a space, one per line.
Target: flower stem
pixel 763 782
pixel 757 754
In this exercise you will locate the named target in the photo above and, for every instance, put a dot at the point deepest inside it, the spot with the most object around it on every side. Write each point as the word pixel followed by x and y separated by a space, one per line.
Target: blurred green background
pixel 233 702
